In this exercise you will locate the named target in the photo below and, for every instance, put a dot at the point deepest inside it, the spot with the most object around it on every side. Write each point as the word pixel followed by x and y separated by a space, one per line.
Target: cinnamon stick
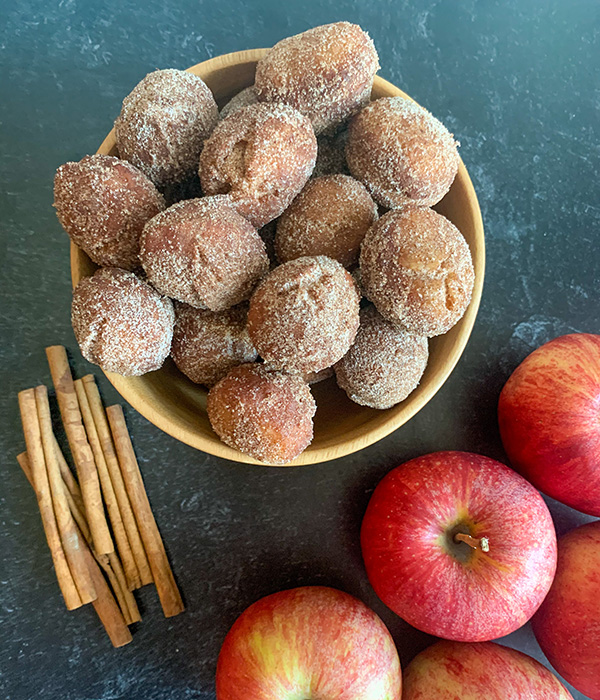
pixel 127 602
pixel 105 605
pixel 109 563
pixel 115 586
pixel 76 510
pixel 70 539
pixel 39 477
pixel 131 571
pixel 73 493
pixel 112 463
pixel 68 477
pixel 80 448
pixel 166 587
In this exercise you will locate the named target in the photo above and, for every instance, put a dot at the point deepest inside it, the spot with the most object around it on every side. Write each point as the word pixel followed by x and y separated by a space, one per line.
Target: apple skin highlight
pixel 450 670
pixel 549 418
pixel 567 625
pixel 446 588
pixel 309 642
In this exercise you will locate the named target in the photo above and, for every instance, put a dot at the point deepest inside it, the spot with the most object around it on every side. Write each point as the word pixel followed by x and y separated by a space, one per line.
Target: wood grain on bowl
pixel 176 405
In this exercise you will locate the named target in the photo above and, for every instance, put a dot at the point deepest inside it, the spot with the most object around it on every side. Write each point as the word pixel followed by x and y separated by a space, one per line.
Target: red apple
pixel 418 565
pixel 567 626
pixel 311 642
pixel 451 670
pixel 549 415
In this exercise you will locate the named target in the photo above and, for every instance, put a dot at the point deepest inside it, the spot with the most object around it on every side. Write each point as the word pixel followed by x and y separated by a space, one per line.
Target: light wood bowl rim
pixel 397 415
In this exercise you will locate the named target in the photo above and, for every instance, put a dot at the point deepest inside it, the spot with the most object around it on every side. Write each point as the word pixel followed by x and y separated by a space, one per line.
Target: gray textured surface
pixel 516 81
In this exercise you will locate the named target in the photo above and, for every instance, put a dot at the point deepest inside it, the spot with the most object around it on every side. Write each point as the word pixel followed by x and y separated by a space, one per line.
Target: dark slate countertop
pixel 517 83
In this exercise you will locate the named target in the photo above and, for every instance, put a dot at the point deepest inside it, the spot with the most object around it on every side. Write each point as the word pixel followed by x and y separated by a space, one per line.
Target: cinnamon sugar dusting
pixel 103 203
pixel 260 156
pixel 416 268
pixel 163 124
pixel 207 344
pixel 329 217
pixel 385 363
pixel 245 97
pixel 402 153
pixel 265 414
pixel 202 252
pixel 326 73
pixel 121 323
pixel 304 315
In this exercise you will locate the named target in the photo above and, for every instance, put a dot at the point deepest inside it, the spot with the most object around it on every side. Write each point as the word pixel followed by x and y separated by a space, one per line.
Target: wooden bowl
pixel 177 406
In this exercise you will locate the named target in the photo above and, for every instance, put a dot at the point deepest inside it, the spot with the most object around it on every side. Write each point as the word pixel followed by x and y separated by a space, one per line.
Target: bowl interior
pixel 177 406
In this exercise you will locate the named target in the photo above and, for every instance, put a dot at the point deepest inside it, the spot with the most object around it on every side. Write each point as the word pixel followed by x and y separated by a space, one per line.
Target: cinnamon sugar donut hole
pixel 121 323
pixel 402 153
pixel 163 124
pixel 384 364
pixel 326 73
pixel 103 203
pixel 202 252
pixel 243 99
pixel 260 156
pixel 207 344
pixel 329 217
pixel 265 414
pixel 303 316
pixel 416 267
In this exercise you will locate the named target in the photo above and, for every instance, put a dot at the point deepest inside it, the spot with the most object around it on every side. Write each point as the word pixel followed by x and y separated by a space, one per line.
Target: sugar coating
pixel 331 154
pixel 207 344
pixel 402 153
pixel 316 377
pixel 329 217
pixel 121 323
pixel 384 364
pixel 303 316
pixel 163 124
pixel 265 414
pixel 326 73
pixel 244 98
pixel 260 157
pixel 103 203
pixel 416 267
pixel 203 253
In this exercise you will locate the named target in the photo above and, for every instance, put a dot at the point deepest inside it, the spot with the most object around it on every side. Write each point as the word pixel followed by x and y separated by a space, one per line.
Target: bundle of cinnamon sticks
pixel 99 526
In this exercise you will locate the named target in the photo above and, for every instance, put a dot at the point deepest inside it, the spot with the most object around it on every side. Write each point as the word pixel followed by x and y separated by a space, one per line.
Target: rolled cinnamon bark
pixel 73 493
pixel 68 477
pixel 70 539
pixel 166 587
pixel 39 479
pixel 112 463
pixel 80 448
pixel 105 605
pixel 131 571
pixel 127 602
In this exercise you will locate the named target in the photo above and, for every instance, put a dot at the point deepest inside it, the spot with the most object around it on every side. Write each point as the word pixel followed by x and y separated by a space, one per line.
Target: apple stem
pixel 482 543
